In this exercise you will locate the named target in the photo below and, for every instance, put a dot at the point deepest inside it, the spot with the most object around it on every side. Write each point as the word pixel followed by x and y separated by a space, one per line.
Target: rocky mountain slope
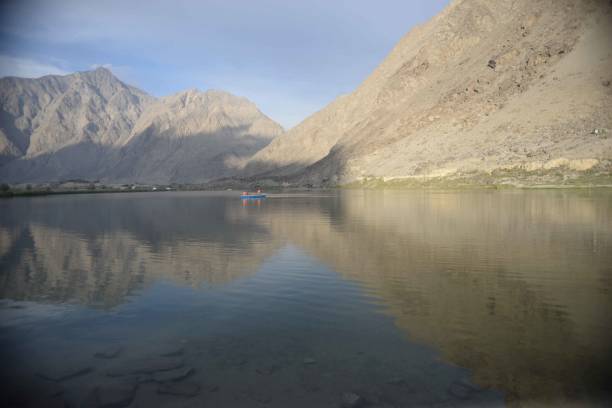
pixel 45 115
pixel 488 90
pixel 90 125
pixel 191 134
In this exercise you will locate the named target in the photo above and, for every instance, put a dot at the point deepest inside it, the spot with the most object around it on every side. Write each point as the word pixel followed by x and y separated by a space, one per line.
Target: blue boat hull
pixel 253 196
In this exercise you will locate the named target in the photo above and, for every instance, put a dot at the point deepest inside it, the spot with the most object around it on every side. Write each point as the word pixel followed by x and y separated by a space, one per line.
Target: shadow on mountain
pixel 325 172
pixel 190 159
pixel 147 158
pixel 15 136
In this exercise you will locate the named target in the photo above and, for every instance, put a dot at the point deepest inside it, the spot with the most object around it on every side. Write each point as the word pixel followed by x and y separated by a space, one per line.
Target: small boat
pixel 252 196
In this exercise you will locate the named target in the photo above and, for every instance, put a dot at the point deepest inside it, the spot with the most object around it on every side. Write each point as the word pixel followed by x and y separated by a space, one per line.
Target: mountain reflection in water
pixel 512 286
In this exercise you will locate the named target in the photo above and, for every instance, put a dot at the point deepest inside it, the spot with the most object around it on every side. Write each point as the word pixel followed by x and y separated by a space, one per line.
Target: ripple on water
pixel 391 298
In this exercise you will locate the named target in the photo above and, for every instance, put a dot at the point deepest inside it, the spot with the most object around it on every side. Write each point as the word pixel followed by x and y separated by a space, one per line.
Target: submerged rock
pixel 145 366
pixel 31 392
pixel 212 388
pixel 17 307
pixel 111 396
pixel 32 386
pixel 182 389
pixel 399 381
pixel 172 375
pixel 241 361
pixel 137 379
pixel 268 370
pixel 61 373
pixel 49 388
pixel 171 351
pixel 462 390
pixel 351 400
pixel 260 397
pixel 110 352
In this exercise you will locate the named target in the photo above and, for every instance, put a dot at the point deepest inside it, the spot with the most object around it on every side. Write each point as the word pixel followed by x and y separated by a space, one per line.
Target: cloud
pixel 27 68
pixel 107 66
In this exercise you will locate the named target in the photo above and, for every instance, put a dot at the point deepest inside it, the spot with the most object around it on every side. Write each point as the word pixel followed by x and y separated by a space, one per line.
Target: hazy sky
pixel 291 57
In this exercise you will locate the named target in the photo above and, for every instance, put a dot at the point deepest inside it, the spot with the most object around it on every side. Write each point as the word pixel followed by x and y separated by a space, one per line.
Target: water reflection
pixel 97 251
pixel 514 286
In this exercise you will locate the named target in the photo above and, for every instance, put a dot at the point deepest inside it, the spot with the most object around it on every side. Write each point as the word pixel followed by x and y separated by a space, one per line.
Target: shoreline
pixel 43 193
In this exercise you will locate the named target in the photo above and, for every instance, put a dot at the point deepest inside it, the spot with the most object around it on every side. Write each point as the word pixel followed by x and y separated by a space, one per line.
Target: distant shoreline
pixel 38 193
pixel 43 193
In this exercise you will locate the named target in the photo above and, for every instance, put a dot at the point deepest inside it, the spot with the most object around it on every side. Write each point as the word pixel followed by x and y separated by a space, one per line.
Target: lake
pixel 321 299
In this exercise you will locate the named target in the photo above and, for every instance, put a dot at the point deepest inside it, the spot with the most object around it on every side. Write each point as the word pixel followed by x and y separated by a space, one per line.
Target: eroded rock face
pixel 84 114
pixel 484 86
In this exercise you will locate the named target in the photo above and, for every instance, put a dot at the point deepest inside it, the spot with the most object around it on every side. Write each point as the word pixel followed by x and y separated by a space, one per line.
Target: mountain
pixel 191 137
pixel 90 125
pixel 486 90
pixel 83 113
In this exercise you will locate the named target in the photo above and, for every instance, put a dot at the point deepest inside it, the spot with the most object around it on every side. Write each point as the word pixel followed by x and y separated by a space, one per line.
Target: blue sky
pixel 290 57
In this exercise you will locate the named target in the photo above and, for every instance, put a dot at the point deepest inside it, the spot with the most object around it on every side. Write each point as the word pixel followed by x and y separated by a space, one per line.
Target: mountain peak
pixel 207 93
pixel 210 97
pixel 99 73
pixel 103 69
pixel 92 125
pixel 189 91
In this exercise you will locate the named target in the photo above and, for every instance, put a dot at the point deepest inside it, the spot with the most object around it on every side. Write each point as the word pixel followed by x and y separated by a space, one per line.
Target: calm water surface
pixel 361 298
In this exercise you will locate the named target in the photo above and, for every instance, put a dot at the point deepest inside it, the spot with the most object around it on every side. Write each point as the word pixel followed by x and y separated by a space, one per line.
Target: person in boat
pixel 246 193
